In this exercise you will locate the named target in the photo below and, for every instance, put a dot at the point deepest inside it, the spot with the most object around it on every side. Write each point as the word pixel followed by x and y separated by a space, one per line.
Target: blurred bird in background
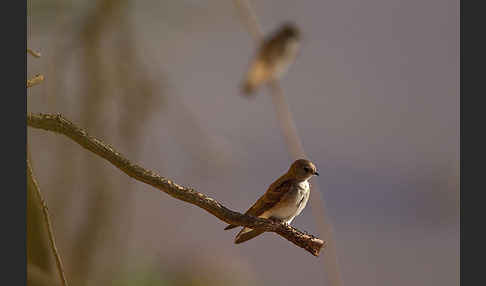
pixel 274 57
pixel 284 200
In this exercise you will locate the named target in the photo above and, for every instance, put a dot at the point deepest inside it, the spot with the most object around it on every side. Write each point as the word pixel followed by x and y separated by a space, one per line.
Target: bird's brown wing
pixel 258 73
pixel 271 197
pixel 272 49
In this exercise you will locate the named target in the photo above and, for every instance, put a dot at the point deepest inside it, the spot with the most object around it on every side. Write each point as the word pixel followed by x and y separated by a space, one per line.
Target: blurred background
pixel 375 96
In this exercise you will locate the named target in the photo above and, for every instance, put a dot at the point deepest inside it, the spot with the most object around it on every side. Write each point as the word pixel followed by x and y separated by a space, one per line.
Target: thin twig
pixel 35 80
pixel 34 53
pixel 47 221
pixel 294 144
pixel 59 124
pixel 251 20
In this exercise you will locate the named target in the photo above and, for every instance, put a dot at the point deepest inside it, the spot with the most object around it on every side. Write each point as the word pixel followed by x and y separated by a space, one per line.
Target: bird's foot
pixel 277 220
pixel 280 221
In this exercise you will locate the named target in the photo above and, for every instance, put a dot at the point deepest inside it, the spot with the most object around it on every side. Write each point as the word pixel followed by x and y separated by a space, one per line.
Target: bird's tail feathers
pixel 247 234
pixel 230 226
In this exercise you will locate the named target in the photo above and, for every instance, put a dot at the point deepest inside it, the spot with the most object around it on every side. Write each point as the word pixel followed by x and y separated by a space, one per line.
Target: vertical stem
pixel 286 123
pixel 296 149
pixel 251 20
pixel 294 144
pixel 60 269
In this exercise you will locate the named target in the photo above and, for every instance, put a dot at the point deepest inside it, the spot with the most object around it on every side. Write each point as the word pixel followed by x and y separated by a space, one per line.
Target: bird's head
pixel 303 169
pixel 290 31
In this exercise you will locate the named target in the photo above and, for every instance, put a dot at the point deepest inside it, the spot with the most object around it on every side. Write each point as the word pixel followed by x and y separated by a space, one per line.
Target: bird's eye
pixel 307 169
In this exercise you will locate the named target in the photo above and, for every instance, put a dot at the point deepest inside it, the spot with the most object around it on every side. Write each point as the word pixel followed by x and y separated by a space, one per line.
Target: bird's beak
pixel 316 173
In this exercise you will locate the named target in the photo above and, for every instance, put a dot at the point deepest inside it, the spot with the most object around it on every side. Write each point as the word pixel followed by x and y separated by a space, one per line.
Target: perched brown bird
pixel 275 55
pixel 284 200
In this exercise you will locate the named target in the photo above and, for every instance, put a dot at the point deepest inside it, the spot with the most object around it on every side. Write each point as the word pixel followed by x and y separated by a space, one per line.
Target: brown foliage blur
pixel 109 72
pixel 158 80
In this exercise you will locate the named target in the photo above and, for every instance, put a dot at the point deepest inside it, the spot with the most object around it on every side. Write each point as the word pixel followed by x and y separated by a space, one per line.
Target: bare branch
pixel 59 124
pixel 35 80
pixel 60 269
pixel 33 53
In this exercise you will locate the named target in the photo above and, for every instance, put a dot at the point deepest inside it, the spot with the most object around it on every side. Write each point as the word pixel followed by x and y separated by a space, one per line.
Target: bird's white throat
pixel 304 184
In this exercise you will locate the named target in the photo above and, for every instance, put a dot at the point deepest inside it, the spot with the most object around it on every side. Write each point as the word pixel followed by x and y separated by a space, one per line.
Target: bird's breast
pixel 291 204
pixel 304 186
pixel 287 58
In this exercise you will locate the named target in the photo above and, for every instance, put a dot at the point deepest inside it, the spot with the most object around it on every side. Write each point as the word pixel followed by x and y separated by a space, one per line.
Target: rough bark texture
pixel 57 123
